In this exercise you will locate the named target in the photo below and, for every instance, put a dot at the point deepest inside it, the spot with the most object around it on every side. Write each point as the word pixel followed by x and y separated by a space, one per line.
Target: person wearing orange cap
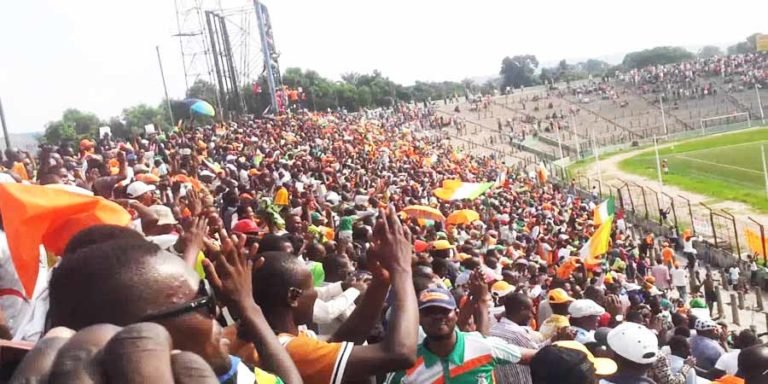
pixel 559 301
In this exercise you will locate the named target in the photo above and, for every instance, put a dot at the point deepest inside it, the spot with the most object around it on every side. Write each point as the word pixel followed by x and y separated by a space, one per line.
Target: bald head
pixel 753 364
pixel 117 282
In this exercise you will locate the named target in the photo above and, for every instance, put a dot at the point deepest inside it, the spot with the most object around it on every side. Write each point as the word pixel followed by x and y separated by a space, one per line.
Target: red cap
pixel 245 226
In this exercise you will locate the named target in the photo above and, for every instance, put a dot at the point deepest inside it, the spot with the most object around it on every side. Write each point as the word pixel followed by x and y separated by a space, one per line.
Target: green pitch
pixel 727 166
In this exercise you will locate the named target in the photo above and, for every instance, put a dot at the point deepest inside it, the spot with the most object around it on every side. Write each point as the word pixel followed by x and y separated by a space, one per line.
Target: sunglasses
pixel 204 299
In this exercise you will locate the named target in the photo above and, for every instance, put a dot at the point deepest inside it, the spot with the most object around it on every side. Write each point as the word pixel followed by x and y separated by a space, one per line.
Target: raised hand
pixel 138 353
pixel 192 241
pixel 229 271
pixel 193 202
pixel 392 245
pixel 478 289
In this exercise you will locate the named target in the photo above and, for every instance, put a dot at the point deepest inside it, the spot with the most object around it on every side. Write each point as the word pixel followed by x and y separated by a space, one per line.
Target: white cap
pixel 138 188
pixel 584 308
pixel 704 324
pixel 634 342
pixel 164 214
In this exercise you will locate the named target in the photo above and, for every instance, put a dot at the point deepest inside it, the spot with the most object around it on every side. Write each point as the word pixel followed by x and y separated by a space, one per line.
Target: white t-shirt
pixel 734 273
pixel 729 362
pixel 679 277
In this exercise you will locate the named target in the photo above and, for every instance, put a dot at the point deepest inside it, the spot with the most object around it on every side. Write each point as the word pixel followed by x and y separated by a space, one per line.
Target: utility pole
pixel 165 87
pixel 5 127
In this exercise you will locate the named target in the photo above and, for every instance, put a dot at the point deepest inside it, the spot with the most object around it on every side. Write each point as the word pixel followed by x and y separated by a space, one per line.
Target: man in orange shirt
pixel 668 255
pixel 285 290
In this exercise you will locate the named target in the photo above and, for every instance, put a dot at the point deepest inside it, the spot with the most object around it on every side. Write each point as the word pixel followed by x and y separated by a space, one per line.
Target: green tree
pixel 709 51
pixel 202 90
pixel 656 56
pixel 73 123
pixel 59 131
pixel 136 117
pixel 595 67
pixel 469 85
pixel 746 46
pixel 117 127
pixel 518 70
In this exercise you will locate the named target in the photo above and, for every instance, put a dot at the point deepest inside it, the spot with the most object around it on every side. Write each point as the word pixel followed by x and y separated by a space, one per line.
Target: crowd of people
pixel 697 78
pixel 336 247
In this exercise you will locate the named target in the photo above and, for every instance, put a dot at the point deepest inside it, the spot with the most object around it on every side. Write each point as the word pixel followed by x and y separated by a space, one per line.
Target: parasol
pixel 423 212
pixel 463 216
pixel 200 107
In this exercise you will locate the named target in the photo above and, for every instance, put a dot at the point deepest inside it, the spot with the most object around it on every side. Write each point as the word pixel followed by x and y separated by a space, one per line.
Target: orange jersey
pixel 318 362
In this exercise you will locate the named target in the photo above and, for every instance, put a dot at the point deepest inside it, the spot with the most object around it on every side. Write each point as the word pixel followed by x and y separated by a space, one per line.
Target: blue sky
pixel 99 56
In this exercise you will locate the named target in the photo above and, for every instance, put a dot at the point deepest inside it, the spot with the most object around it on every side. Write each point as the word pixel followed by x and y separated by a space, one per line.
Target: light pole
pixel 663 117
pixel 5 127
pixel 759 103
pixel 165 87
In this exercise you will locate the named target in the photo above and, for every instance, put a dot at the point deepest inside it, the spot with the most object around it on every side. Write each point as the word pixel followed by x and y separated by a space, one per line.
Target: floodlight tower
pixel 193 42
pixel 269 52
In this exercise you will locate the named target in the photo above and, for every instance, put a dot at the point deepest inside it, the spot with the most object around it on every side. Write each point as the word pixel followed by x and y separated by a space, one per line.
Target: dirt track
pixel 611 174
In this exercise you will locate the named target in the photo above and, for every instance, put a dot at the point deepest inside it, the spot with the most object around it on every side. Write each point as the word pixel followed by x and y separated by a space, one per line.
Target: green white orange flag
pixel 459 190
pixel 598 244
pixel 603 211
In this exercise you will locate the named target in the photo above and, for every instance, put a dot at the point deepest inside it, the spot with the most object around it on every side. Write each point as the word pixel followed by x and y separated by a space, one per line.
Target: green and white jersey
pixel 471 362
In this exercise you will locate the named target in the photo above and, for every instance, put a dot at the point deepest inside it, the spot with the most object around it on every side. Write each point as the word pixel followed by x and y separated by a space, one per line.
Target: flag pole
pixel 658 166
pixel 597 160
pixel 759 103
pixel 663 117
pixel 658 163
pixel 765 169
pixel 576 136
pixel 559 141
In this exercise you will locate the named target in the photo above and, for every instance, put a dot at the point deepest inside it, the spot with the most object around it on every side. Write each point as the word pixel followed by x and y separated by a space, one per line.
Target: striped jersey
pixel 471 362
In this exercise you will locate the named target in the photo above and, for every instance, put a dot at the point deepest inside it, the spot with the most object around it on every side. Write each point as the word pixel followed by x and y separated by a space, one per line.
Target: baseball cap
pixel 584 308
pixel 603 366
pixel 566 362
pixel 138 188
pixel 634 342
pixel 164 214
pixel 704 325
pixel 441 245
pixel 245 226
pixel 502 288
pixel 436 297
pixel 558 296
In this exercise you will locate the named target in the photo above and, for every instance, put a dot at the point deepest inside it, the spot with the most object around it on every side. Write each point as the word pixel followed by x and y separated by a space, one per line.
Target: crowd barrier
pixel 721 239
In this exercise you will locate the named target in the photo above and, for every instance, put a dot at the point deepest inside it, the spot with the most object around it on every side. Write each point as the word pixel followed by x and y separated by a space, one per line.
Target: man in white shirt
pixel 728 363
pixel 680 280
pixel 733 275
pixel 335 303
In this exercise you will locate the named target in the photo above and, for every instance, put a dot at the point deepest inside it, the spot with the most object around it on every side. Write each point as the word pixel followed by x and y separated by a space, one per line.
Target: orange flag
pixel 34 215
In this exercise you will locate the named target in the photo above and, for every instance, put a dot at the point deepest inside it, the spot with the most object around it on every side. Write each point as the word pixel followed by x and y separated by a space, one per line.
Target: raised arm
pixel 230 275
pixel 390 259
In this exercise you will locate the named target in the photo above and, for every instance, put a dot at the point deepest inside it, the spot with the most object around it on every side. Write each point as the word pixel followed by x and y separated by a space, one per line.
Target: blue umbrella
pixel 200 107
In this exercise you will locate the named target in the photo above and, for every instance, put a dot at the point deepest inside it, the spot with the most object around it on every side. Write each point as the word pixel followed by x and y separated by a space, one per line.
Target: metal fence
pixel 724 238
